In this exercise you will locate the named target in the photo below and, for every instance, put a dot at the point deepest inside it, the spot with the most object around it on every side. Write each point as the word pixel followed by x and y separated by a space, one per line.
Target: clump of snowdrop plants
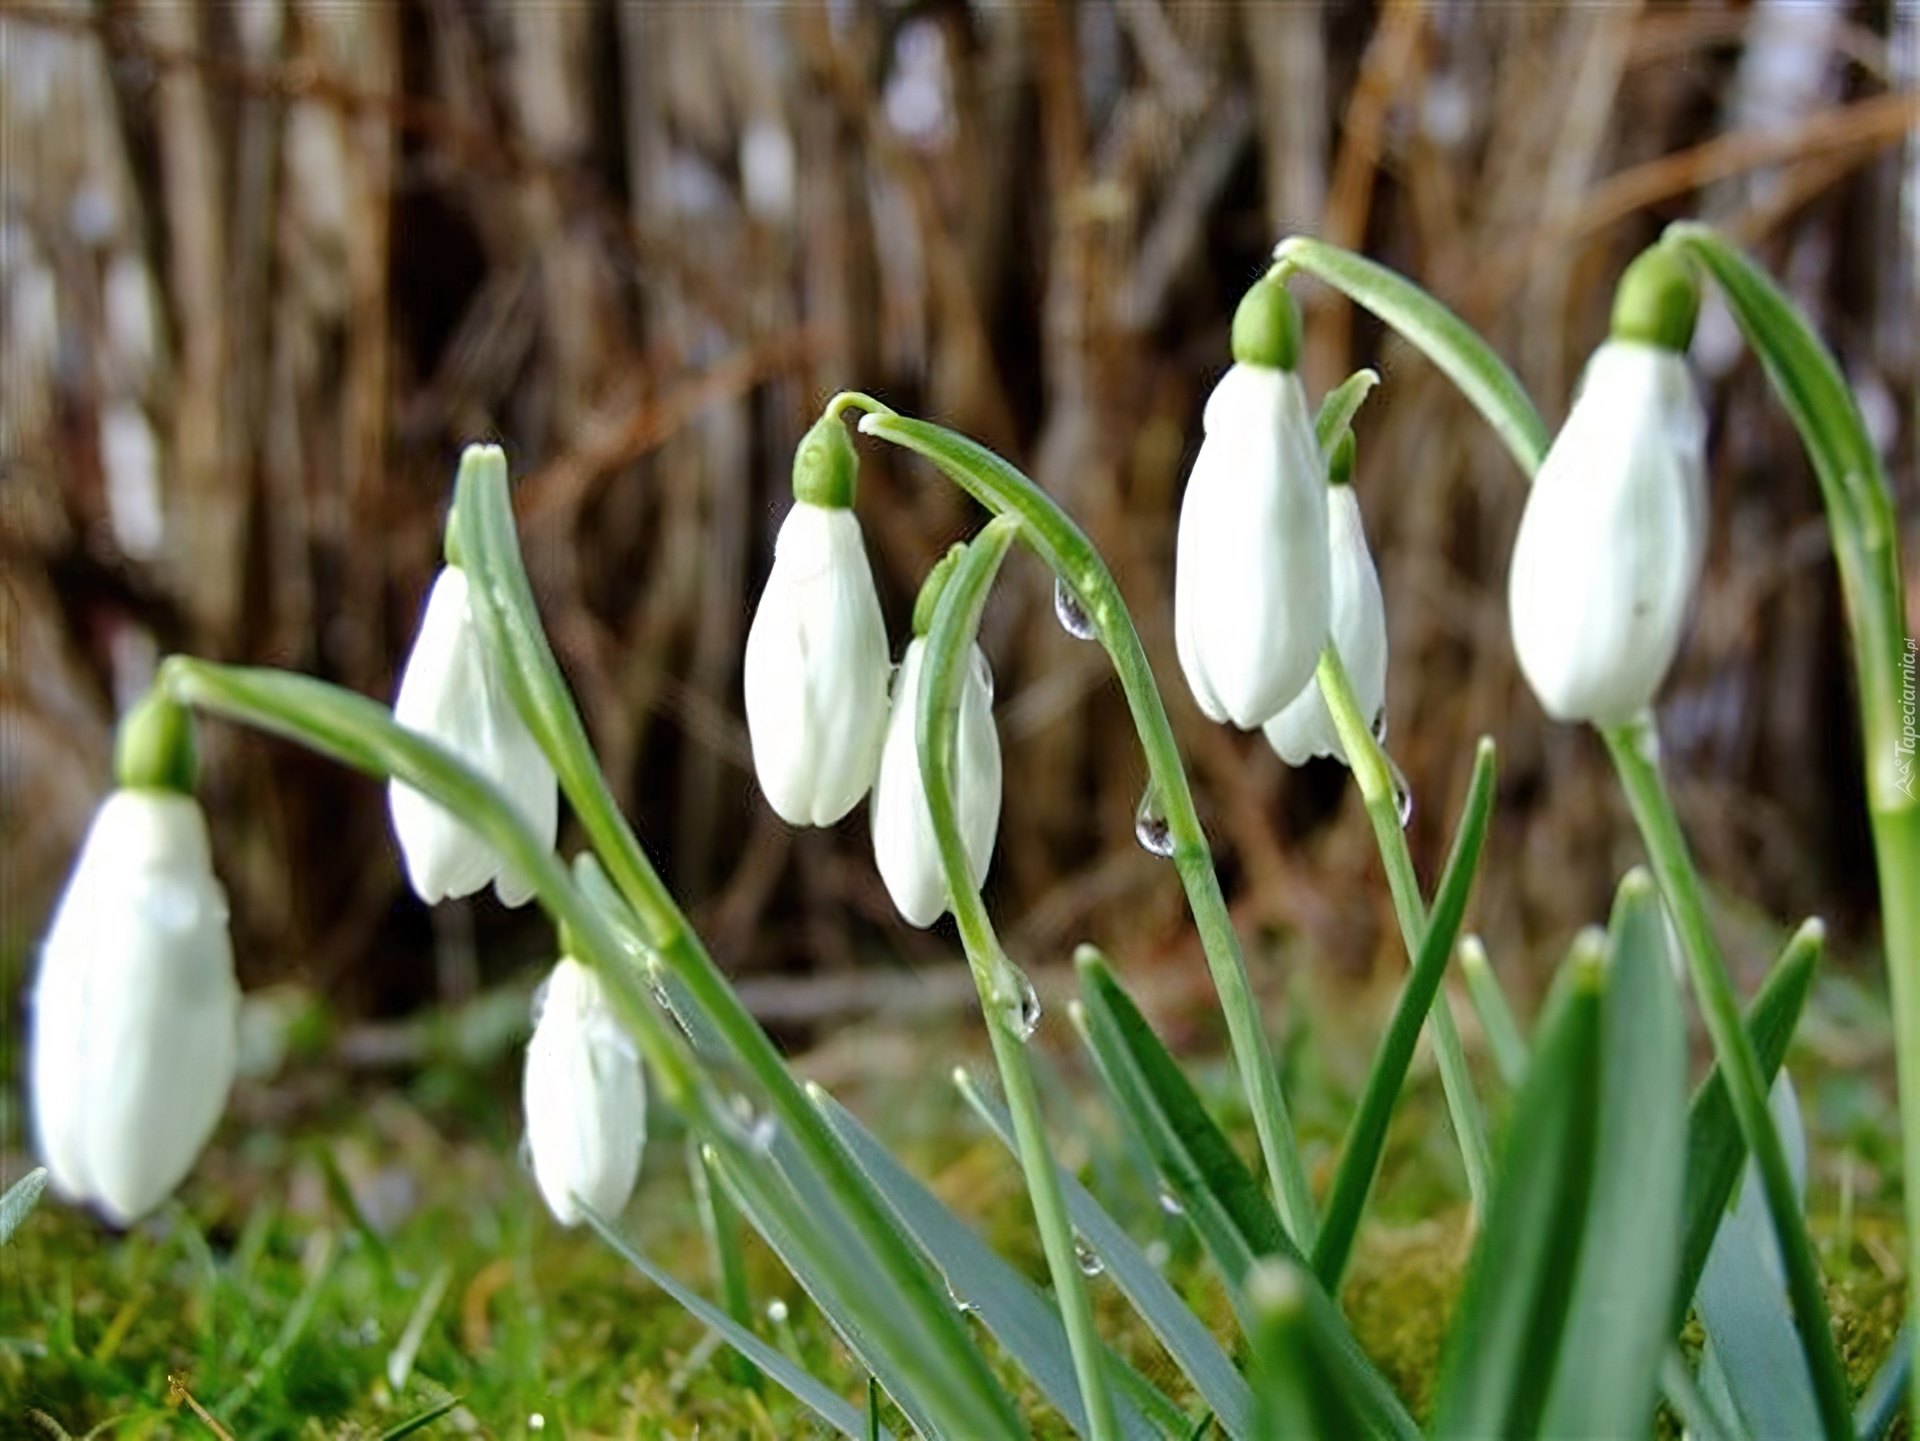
pixel 1601 1219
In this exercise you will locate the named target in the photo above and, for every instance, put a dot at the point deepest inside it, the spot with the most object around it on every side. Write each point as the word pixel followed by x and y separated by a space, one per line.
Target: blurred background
pixel 266 266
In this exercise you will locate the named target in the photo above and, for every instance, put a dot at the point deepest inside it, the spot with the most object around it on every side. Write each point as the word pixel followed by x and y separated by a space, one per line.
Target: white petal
pixel 904 848
pixel 450 692
pixel 1612 539
pixel 136 1009
pixel 585 1100
pixel 1305 728
pixel 1252 596
pixel 816 670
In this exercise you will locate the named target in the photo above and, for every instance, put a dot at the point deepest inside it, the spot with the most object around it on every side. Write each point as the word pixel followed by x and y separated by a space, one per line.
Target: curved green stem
pixel 1053 536
pixel 1371 773
pixel 1635 751
pixel 959 1382
pixel 1003 989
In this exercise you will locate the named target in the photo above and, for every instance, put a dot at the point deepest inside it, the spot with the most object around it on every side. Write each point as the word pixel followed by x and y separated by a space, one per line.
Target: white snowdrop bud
pixel 1251 587
pixel 585 1098
pixel 450 691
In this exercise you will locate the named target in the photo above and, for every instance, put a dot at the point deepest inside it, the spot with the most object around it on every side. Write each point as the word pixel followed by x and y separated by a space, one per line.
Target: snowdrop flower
pixel 135 1008
pixel 1251 587
pixel 1305 728
pixel 450 690
pixel 817 661
pixel 1614 533
pixel 585 1100
pixel 904 847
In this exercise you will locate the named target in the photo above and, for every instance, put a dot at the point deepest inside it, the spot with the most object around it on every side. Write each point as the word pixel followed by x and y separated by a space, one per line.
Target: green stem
pixel 1004 991
pixel 504 609
pixel 1635 748
pixel 1053 536
pixel 1371 773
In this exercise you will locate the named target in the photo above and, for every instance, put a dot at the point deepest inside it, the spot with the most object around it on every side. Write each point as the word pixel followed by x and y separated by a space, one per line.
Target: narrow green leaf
pixel 1616 1329
pixel 1752 1364
pixel 22 1196
pixel 721 1227
pixel 1504 1040
pixel 1448 341
pixel 1314 1383
pixel 1193 1154
pixel 1339 407
pixel 1506 1331
pixel 1881 1404
pixel 1190 1344
pixel 421 1421
pixel 1696 1413
pixel 1715 1148
pixel 808 1390
pixel 1367 1134
pixel 1026 1324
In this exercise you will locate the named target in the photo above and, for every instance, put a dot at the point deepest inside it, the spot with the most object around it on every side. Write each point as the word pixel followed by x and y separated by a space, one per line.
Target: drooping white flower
pixel 451 691
pixel 135 1009
pixel 1251 588
pixel 904 848
pixel 1612 540
pixel 816 669
pixel 585 1099
pixel 1305 728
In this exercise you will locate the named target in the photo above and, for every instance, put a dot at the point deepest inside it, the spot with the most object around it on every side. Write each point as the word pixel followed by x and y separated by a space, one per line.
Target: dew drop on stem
pixel 1089 1259
pixel 1150 826
pixel 1023 1012
pixel 1402 792
pixel 1074 619
pixel 1170 1204
pixel 1380 726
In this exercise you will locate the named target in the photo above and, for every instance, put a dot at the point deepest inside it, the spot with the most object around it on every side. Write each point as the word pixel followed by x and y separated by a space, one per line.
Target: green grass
pixel 278 1286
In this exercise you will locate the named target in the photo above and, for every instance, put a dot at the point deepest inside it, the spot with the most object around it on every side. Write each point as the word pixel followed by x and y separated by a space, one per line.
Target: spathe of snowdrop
pixel 135 1007
pixel 1614 533
pixel 1305 728
pixel 585 1098
pixel 452 692
pixel 817 661
pixel 1251 586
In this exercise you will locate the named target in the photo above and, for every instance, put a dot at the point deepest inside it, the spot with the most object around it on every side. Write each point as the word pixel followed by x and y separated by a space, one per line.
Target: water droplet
pixel 1380 726
pixel 1089 1259
pixel 1074 619
pixel 1402 792
pixel 1158 1253
pixel 762 1134
pixel 777 1311
pixel 1150 826
pixel 1023 1006
pixel 964 1307
pixel 1170 1204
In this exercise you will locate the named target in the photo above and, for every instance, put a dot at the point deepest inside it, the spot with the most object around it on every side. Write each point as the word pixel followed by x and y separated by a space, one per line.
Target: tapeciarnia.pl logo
pixel 1903 748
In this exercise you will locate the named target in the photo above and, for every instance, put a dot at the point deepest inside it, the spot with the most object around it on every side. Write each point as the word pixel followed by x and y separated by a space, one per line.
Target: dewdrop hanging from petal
pixel 452 692
pixel 1305 729
pixel 135 1010
pixel 1614 533
pixel 585 1098
pixel 817 663
pixel 1251 583
pixel 904 848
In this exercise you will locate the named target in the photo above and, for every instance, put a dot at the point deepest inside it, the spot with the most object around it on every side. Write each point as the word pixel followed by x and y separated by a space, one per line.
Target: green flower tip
pixel 826 469
pixel 934 586
pixel 1340 463
pixel 153 749
pixel 1657 300
pixel 1266 327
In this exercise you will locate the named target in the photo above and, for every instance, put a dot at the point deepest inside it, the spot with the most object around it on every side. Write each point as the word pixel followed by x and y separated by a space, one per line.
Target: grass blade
pixel 1314 1383
pixel 1190 1344
pixel 1616 1333
pixel 1506 1330
pixel 421 1421
pixel 1715 1148
pixel 1881 1404
pixel 1022 1320
pixel 22 1196
pixel 805 1388
pixel 1367 1133
pixel 1195 1158
pixel 1504 1040
pixel 720 1226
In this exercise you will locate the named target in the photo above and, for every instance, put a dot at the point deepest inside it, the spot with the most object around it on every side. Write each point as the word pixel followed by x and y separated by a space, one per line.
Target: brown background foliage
pixel 265 267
